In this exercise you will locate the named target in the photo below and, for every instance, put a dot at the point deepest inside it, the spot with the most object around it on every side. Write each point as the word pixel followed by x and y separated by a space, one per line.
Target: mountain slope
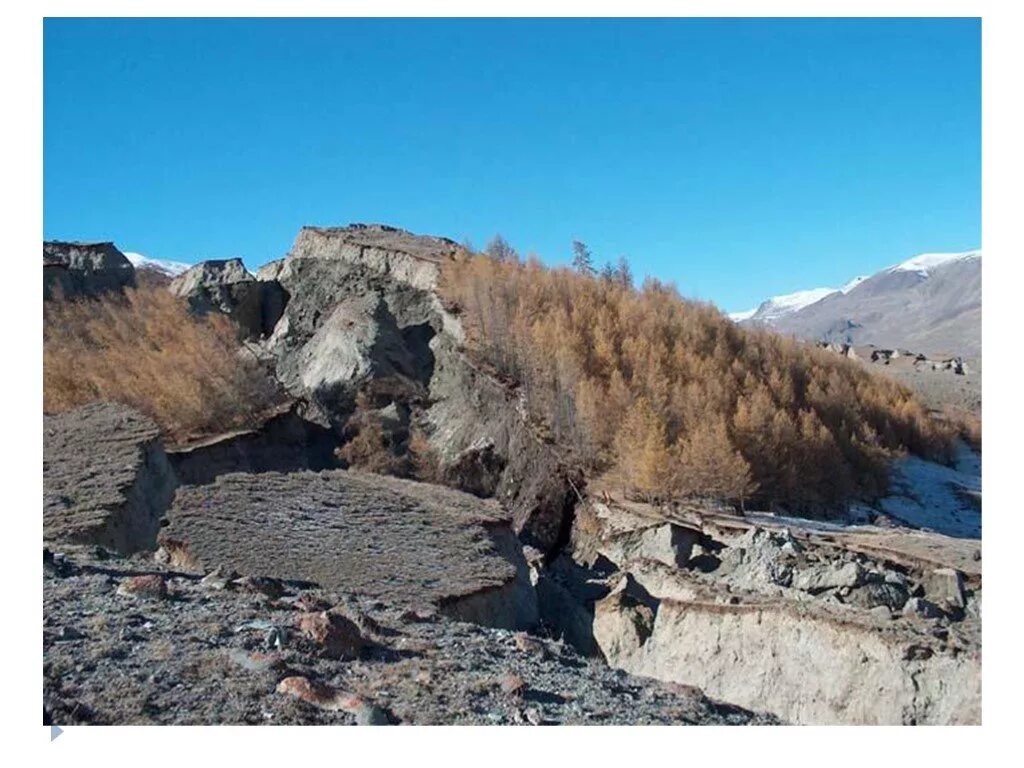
pixel 930 303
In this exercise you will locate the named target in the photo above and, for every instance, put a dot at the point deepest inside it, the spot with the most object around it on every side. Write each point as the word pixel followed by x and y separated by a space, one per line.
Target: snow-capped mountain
pixel 930 303
pixel 925 262
pixel 169 268
pixel 778 306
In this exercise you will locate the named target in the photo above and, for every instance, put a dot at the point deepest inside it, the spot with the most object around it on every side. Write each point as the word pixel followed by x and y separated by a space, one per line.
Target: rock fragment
pixel 337 636
pixel 829 576
pixel 918 606
pixel 512 684
pixel 946 586
pixel 147 587
pixel 333 700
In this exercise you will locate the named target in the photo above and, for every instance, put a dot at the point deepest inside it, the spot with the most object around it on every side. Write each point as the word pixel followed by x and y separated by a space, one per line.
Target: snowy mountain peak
pixel 924 262
pixel 739 317
pixel 777 306
pixel 171 268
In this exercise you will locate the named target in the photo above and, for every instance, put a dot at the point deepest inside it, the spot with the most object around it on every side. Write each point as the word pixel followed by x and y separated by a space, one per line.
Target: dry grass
pixel 966 423
pixel 146 350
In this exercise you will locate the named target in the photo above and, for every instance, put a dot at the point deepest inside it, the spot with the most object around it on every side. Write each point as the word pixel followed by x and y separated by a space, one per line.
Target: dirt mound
pixel 403 543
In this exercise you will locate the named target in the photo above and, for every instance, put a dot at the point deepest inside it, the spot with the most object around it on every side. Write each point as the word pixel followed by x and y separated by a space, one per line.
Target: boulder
pixel 337 636
pixel 829 576
pixel 227 286
pixel 926 609
pixel 106 478
pixel 667 543
pixel 74 270
pixel 624 620
pixel 150 586
pixel 945 586
pixel 759 558
pixel 406 544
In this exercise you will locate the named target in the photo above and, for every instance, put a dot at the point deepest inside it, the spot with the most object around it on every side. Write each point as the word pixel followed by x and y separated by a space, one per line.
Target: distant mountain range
pixel 164 266
pixel 930 303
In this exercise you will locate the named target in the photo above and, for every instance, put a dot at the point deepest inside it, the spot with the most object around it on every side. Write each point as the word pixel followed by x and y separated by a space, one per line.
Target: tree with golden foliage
pixel 708 466
pixel 672 398
pixel 644 462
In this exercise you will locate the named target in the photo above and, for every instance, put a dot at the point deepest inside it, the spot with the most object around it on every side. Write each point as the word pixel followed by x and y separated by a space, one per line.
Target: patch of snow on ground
pixel 943 499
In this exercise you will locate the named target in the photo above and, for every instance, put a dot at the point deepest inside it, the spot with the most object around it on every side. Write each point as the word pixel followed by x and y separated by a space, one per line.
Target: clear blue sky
pixel 739 159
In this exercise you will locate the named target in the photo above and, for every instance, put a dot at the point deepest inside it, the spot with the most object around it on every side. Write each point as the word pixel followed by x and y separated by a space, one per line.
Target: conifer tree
pixel 707 465
pixel 623 274
pixel 671 398
pixel 500 250
pixel 582 259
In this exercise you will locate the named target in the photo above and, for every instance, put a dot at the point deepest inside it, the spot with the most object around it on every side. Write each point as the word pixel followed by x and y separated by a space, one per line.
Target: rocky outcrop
pixel 361 308
pixel 364 317
pixel 814 622
pixel 227 286
pixel 106 478
pixel 404 543
pixel 412 260
pixel 805 662
pixel 74 270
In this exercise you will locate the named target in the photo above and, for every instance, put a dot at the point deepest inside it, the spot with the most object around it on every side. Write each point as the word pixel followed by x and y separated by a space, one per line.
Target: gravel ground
pixel 203 655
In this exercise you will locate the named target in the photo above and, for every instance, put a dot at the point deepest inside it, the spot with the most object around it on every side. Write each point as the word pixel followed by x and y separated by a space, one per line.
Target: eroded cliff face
pixel 74 270
pixel 800 661
pixel 815 624
pixel 364 316
pixel 107 480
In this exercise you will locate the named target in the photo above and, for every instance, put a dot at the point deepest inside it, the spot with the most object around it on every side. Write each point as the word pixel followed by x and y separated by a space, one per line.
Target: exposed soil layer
pixel 406 544
pixel 106 479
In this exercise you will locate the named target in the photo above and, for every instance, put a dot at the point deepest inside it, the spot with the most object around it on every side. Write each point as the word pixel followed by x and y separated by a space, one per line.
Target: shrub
pixel 370 446
pixel 670 398
pixel 144 349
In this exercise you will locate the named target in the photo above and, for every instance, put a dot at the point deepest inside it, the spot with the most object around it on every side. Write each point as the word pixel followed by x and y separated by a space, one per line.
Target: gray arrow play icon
pixel 55 731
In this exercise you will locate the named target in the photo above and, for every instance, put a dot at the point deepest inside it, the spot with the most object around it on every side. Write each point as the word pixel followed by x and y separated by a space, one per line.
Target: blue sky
pixel 739 159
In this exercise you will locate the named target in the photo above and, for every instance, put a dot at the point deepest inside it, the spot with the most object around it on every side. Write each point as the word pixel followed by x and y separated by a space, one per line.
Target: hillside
pixel 388 480
pixel 666 398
